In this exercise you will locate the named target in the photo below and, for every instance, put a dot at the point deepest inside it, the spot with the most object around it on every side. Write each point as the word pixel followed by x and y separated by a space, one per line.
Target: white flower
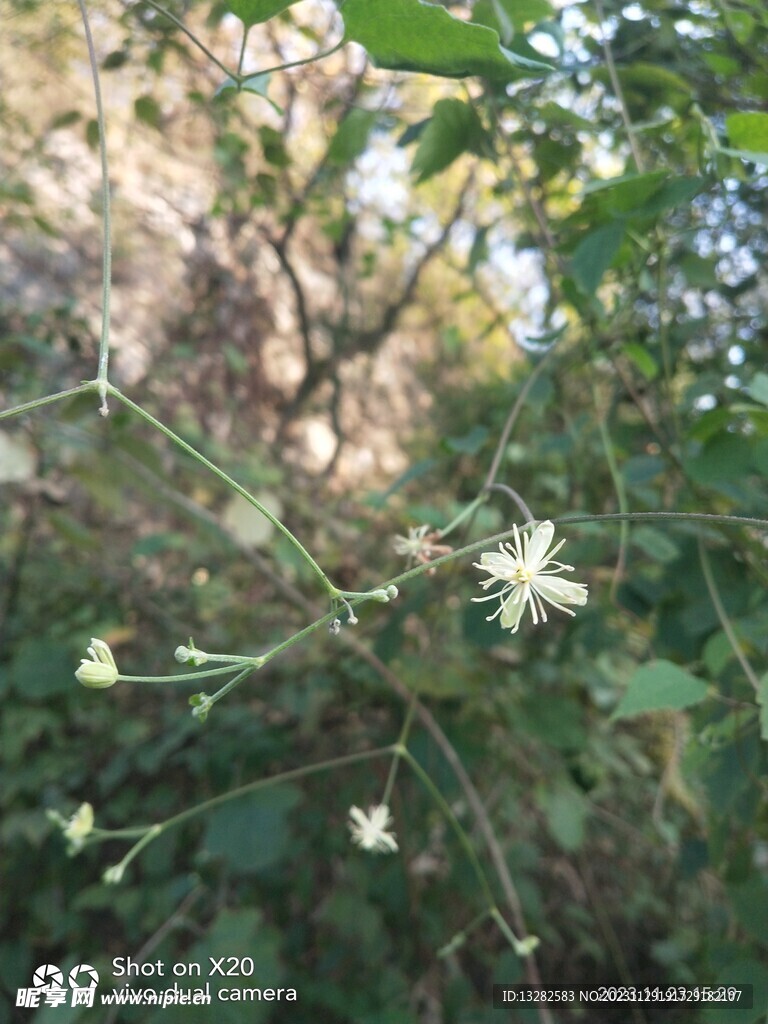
pixel 421 545
pixel 101 671
pixel 369 831
pixel 411 546
pixel 79 826
pixel 527 580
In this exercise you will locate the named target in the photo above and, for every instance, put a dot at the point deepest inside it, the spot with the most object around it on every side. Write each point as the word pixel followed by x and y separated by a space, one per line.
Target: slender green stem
pixel 621 492
pixel 402 742
pixel 297 63
pixel 517 407
pixel 460 937
pixel 451 818
pixel 618 91
pixel 38 403
pixel 153 831
pixel 208 703
pixel 190 35
pixel 239 76
pixel 106 271
pixel 521 947
pixel 516 498
pixel 329 587
pixel 464 514
pixel 185 677
pixel 664 314
pixel 725 621
pixel 488 543
pixel 246 30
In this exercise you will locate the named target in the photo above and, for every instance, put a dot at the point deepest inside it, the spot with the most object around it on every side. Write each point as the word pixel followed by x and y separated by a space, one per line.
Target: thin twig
pixel 725 621
pixel 106 270
pixel 618 91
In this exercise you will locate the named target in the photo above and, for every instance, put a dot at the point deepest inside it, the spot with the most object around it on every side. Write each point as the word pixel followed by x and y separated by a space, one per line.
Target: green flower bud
pixel 101 671
pixel 190 656
pixel 113 875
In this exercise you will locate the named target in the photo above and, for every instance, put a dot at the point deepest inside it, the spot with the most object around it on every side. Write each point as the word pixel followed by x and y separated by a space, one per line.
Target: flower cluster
pixel 523 569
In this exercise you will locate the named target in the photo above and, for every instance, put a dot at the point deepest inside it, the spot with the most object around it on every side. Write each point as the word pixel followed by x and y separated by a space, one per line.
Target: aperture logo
pixel 48 987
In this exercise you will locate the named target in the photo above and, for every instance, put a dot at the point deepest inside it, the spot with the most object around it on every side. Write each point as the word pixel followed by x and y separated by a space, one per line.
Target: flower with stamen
pixel 410 547
pixel 420 546
pixel 524 570
pixel 369 831
pixel 100 671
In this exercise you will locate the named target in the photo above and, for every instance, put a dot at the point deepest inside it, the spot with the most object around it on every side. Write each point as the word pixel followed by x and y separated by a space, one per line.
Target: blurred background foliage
pixel 337 287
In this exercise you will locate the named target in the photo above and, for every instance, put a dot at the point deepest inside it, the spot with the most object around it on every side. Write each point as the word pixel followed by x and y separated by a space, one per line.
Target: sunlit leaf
pixel 252 12
pixel 351 137
pixel 409 35
pixel 453 129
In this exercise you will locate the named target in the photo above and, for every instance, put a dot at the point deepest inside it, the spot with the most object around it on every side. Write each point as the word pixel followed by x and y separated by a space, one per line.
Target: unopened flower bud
pixel 113 875
pixel 190 656
pixel 100 671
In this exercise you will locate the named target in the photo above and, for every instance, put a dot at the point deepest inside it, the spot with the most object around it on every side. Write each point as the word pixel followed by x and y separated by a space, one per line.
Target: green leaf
pixel 453 129
pixel 566 812
pixel 762 700
pixel 147 109
pixel 748 131
pixel 258 84
pixel 671 194
pixel 413 472
pixel 660 685
pixel 743 154
pixel 42 669
pixel 655 544
pixel 252 12
pixel 493 14
pixel 699 272
pixel 561 117
pixel 351 137
pixel 724 458
pixel 524 13
pixel 409 35
pixel 642 358
pixel 92 133
pixel 758 388
pixel 594 254
pixel 626 193
pixel 469 444
pixel 252 833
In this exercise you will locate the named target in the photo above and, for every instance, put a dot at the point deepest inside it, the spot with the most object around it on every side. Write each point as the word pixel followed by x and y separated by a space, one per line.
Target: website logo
pixel 48 988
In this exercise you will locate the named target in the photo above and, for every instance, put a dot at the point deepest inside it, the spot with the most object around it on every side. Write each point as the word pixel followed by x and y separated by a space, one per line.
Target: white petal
pixel 538 546
pixel 512 609
pixel 559 591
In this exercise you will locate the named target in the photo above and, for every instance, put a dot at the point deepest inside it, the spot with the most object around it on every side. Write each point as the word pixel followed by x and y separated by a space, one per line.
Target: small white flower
pixel 78 827
pixel 411 546
pixel 522 568
pixel 101 671
pixel 369 831
pixel 420 546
